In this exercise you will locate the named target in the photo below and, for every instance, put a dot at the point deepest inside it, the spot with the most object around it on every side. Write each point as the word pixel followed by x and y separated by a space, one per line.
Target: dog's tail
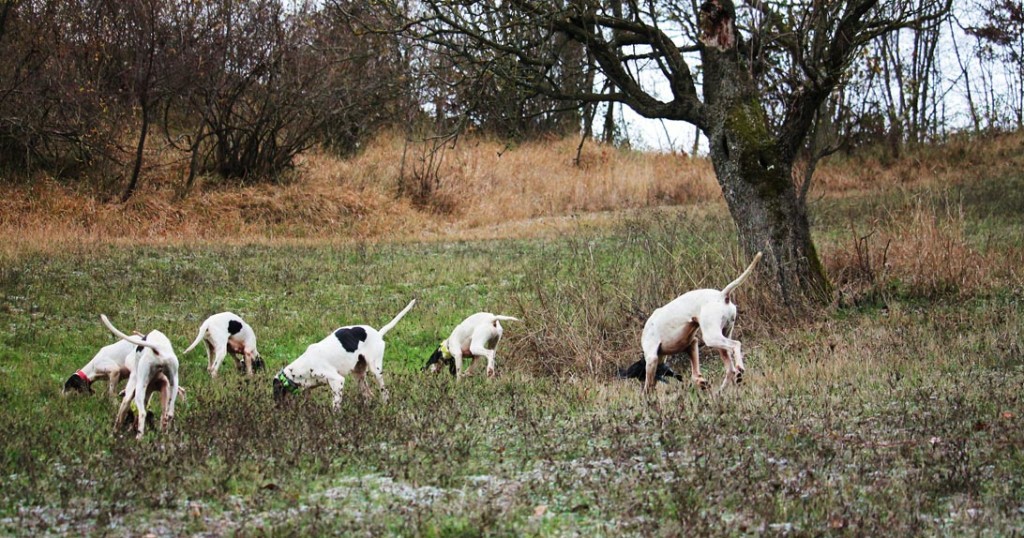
pixel 505 318
pixel 750 269
pixel 133 339
pixel 199 337
pixel 391 324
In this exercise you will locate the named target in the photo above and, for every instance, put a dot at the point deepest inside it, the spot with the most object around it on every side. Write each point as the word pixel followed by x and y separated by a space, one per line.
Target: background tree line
pixel 240 88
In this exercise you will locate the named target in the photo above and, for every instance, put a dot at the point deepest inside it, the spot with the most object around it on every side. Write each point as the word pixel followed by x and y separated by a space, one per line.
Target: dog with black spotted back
pixel 227 333
pixel 353 350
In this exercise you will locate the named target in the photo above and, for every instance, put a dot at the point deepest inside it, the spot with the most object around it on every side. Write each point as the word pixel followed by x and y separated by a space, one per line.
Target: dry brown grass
pixel 961 159
pixel 484 189
pixel 920 246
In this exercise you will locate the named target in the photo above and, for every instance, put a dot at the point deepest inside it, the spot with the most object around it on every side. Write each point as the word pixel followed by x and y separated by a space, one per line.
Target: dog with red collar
pixel 110 363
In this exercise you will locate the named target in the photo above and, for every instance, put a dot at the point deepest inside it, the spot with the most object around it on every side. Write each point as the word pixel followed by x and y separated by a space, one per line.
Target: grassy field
pixel 897 411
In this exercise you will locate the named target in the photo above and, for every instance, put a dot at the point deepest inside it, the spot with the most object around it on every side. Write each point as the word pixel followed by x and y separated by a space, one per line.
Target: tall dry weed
pixel 919 247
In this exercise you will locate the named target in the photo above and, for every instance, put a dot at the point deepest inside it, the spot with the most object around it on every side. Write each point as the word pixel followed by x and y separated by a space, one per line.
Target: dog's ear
pixel 279 391
pixel 258 365
pixel 433 360
pixel 637 370
pixel 77 384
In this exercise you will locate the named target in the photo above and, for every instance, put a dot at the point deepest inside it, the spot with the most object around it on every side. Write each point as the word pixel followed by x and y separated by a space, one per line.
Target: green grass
pixel 899 416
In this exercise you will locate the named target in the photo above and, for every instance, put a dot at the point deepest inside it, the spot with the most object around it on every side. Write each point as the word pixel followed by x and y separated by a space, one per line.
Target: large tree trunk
pixel 753 171
pixel 762 199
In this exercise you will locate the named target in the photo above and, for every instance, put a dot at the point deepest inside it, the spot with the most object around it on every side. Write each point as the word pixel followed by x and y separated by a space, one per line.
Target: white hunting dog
pixel 109 363
pixel 227 333
pixel 672 329
pixel 476 336
pixel 114 362
pixel 156 358
pixel 348 350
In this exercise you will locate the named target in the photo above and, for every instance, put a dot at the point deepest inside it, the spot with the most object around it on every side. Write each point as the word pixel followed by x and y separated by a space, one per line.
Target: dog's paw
pixel 701 383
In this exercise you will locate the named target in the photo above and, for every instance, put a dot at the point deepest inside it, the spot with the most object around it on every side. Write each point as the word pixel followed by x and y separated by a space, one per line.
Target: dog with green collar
pixel 284 385
pixel 351 350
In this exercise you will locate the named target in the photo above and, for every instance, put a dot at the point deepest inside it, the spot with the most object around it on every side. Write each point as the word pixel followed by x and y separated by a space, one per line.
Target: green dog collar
pixel 288 383
pixel 445 354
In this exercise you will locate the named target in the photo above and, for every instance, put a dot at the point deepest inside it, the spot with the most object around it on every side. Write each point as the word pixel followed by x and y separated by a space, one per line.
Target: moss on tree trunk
pixel 757 185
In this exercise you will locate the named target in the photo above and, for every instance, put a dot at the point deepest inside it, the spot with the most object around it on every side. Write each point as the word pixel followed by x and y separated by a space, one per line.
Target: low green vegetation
pixel 897 412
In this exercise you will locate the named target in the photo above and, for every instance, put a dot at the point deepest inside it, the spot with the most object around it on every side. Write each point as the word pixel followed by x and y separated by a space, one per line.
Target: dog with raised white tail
pixel 351 350
pixel 226 333
pixel 476 336
pixel 672 329
pixel 156 357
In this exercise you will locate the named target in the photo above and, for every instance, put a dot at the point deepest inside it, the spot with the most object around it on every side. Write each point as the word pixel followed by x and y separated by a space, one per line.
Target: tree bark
pixel 754 172
pixel 133 183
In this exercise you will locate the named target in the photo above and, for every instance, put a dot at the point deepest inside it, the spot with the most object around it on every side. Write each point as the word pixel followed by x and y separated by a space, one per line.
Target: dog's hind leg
pixel 168 405
pixel 731 373
pixel 142 371
pixel 478 349
pixel 695 374
pixel 209 354
pixel 360 374
pixel 379 375
pixel 220 351
pixel 711 321
pixel 112 381
pixel 129 393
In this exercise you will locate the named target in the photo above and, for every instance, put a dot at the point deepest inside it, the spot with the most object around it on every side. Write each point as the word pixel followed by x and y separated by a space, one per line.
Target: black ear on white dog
pixel 436 360
pixel 279 390
pixel 638 371
pixel 129 421
pixel 257 364
pixel 77 384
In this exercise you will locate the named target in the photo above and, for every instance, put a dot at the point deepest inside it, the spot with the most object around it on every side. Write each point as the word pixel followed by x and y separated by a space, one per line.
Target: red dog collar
pixel 82 375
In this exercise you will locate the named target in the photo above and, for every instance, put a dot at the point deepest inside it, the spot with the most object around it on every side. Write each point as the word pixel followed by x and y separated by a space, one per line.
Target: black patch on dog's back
pixel 350 337
pixel 234 326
